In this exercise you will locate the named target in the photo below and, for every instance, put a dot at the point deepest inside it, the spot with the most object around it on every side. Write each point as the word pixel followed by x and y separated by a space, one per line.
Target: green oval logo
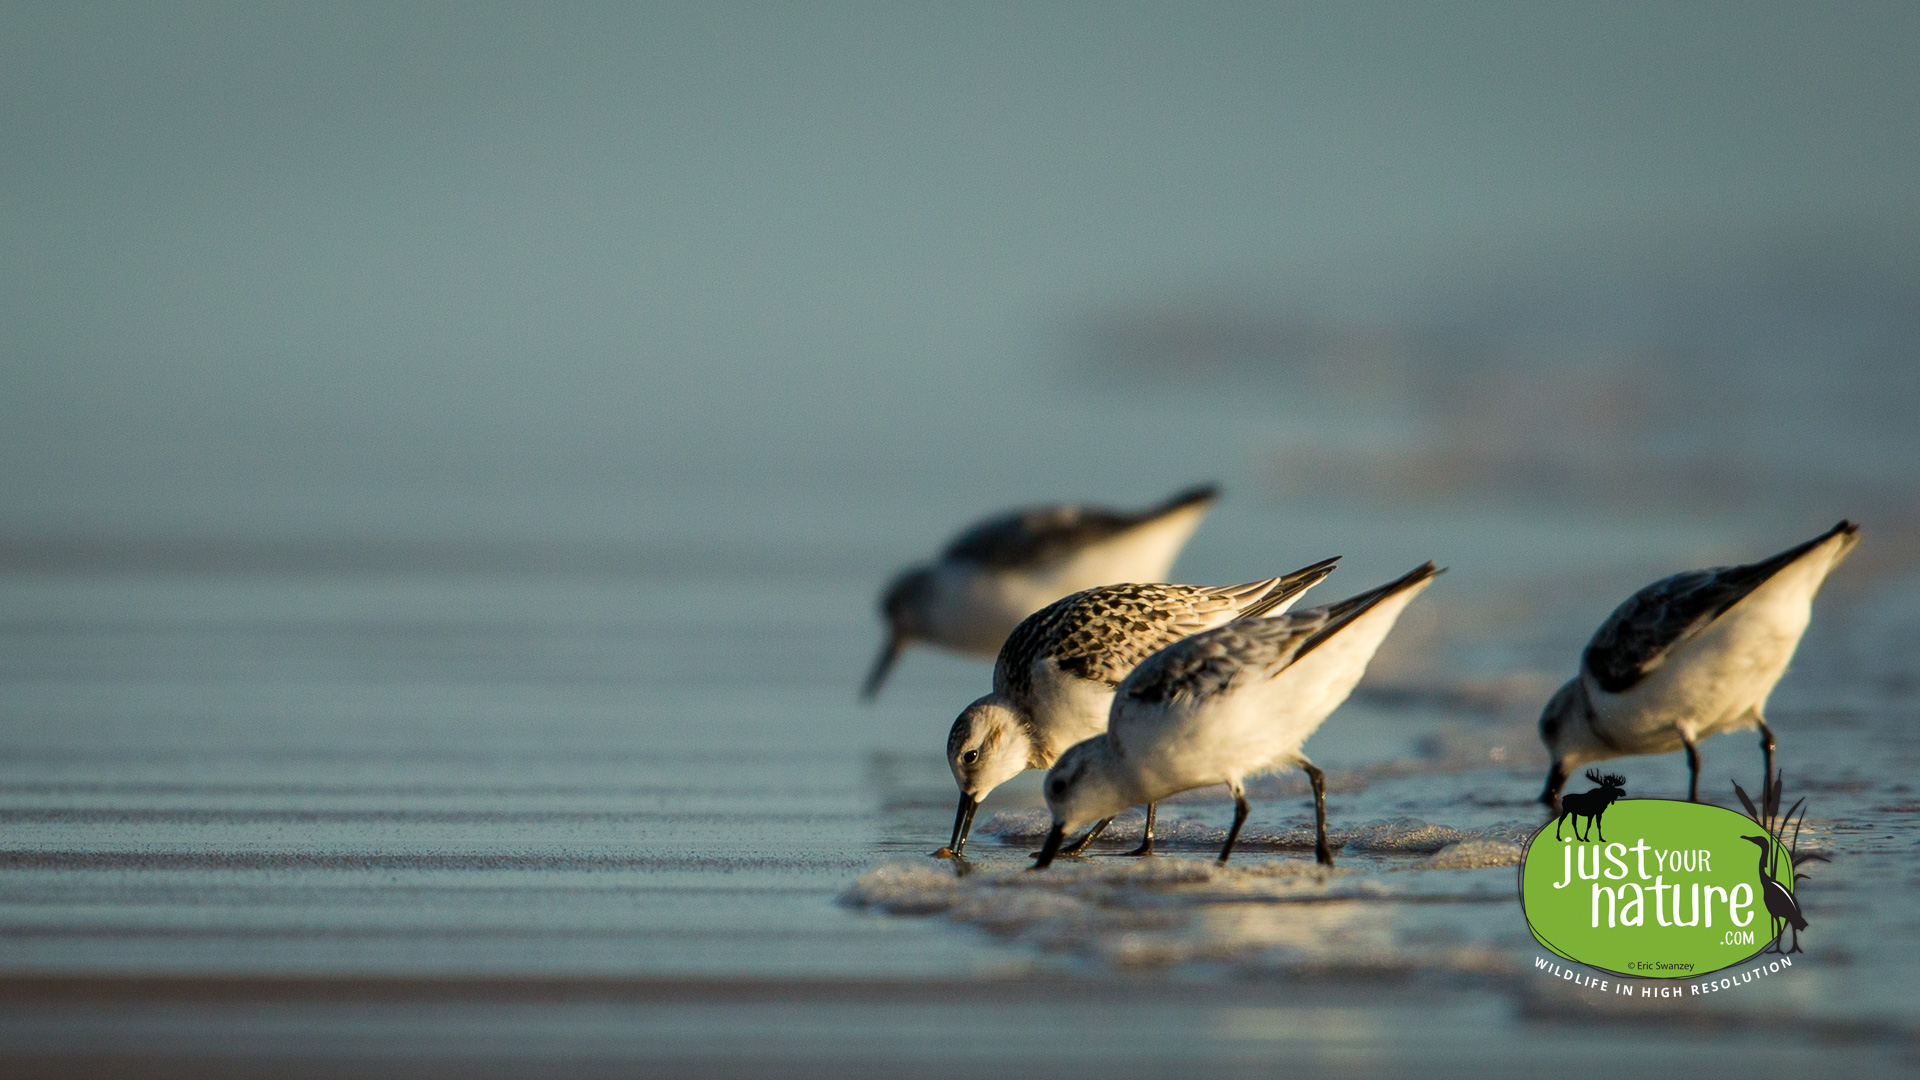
pixel 1653 888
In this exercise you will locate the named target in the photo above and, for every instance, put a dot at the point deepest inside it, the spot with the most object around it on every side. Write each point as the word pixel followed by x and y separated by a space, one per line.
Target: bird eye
pixel 970 756
pixel 1059 787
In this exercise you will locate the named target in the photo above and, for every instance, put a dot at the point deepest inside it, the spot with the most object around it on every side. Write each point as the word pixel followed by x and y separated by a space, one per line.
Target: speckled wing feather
pixel 1637 638
pixel 1041 534
pixel 1209 663
pixel 1101 634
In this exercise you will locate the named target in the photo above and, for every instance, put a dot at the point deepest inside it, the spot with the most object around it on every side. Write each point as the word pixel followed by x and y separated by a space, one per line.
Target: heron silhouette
pixel 1772 842
pixel 1781 905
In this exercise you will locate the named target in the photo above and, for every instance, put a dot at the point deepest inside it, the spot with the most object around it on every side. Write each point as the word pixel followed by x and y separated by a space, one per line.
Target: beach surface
pixel 609 816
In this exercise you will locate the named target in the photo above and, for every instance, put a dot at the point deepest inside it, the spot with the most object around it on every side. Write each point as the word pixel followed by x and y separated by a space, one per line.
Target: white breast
pixel 1065 709
pixel 973 610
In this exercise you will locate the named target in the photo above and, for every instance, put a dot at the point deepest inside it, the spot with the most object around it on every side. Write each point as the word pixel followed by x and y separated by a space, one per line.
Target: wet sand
pixel 500 824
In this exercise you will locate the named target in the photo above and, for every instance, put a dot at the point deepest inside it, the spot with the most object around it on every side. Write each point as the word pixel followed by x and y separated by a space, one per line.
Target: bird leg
pixel 1044 857
pixel 1240 809
pixel 1556 779
pixel 1322 854
pixel 1093 834
pixel 1766 744
pixel 1693 767
pixel 1146 838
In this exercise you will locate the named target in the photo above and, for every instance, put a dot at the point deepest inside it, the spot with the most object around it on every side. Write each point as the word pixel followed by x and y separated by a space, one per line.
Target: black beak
pixel 1051 847
pixel 962 825
pixel 881 665
pixel 1556 779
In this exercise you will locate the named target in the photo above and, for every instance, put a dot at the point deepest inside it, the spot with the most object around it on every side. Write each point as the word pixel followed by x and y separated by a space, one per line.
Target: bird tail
pixel 1848 529
pixel 1288 588
pixel 1346 611
pixel 1754 575
pixel 1197 495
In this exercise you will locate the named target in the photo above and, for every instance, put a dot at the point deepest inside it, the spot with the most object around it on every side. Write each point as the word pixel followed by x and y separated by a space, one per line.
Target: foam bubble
pixel 1254 915
pixel 904 889
pixel 1398 836
pixel 1474 855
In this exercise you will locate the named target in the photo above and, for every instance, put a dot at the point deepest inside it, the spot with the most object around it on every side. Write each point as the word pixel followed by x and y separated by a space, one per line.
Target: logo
pixel 1657 889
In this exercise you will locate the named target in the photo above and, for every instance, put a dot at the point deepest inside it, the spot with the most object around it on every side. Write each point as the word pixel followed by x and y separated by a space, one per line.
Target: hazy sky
pixel 376 247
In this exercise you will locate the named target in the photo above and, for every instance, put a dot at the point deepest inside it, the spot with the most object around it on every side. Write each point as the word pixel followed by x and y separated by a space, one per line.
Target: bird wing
pixel 1208 663
pixel 1038 535
pixel 1641 633
pixel 1102 634
pixel 1260 648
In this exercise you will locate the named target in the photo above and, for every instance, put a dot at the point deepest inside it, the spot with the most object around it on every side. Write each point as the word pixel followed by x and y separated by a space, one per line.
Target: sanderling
pixel 1053 683
pixel 1005 568
pixel 1223 705
pixel 1687 657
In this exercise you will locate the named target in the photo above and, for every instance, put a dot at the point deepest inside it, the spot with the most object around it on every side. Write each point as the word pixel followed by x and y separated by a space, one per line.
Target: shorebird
pixel 1054 680
pixel 1687 657
pixel 1005 568
pixel 1782 908
pixel 1223 705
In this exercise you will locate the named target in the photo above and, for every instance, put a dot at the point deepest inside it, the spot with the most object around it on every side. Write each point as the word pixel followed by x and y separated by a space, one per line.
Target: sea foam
pixel 1257 915
pixel 1398 836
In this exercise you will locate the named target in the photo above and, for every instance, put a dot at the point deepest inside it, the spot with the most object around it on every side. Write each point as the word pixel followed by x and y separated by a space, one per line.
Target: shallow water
pixel 601 817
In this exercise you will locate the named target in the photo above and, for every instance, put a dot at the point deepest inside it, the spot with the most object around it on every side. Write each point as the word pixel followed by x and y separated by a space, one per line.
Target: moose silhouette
pixel 1591 804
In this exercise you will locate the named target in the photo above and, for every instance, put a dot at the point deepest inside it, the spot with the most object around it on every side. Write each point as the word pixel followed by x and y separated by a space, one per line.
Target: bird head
pixel 904 607
pixel 905 603
pixel 1081 789
pixel 1565 731
pixel 988 746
